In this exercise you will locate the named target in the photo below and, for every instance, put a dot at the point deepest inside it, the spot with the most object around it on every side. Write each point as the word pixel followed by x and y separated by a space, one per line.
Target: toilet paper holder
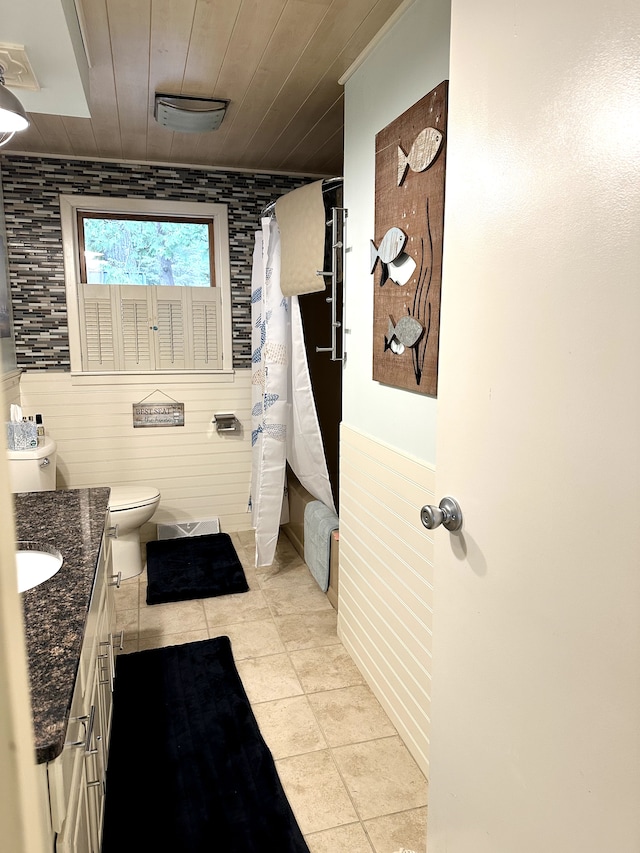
pixel 227 423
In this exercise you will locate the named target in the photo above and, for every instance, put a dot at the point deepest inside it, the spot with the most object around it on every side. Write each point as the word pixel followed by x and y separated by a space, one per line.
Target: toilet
pixel 129 506
pixel 33 470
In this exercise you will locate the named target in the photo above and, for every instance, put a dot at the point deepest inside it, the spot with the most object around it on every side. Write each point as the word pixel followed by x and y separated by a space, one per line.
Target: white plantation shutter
pixel 135 327
pixel 143 328
pixel 169 311
pixel 97 338
pixel 206 328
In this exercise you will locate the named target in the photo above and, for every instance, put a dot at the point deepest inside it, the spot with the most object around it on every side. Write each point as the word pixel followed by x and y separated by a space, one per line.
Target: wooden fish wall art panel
pixel 406 252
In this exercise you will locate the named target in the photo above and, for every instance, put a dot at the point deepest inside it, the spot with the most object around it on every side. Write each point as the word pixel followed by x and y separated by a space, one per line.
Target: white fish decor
pixel 390 247
pixel 391 257
pixel 422 153
pixel 401 269
pixel 405 333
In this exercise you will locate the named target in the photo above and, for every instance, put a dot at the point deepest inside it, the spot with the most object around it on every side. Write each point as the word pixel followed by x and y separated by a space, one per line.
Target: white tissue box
pixel 22 435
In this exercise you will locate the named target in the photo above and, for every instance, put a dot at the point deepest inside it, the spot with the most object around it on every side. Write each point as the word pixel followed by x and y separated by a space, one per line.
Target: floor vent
pixel 203 527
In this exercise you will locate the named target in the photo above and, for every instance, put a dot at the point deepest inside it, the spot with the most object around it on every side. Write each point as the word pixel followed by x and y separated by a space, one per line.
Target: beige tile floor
pixel 349 778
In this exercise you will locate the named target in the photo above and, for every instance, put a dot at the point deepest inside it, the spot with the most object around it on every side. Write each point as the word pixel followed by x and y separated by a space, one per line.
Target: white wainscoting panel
pixel 10 384
pixel 200 473
pixel 385 602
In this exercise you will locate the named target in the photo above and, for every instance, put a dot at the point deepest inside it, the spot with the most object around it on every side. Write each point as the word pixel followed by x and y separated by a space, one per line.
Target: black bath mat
pixel 193 567
pixel 189 771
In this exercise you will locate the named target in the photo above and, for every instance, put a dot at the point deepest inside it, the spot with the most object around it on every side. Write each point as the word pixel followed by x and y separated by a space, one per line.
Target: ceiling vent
pixel 189 115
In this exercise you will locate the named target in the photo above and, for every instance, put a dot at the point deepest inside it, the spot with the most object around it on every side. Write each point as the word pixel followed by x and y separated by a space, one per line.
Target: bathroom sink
pixel 36 563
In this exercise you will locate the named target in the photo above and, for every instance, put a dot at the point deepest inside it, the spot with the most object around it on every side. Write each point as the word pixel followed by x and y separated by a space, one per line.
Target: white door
pixel 535 744
pixel 24 806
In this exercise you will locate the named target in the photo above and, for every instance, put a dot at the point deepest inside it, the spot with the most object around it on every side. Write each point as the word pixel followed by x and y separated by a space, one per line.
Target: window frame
pixel 71 205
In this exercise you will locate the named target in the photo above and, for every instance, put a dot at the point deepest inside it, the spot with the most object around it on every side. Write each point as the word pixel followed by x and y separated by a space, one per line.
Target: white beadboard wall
pixel 386 580
pixel 199 473
pixel 10 384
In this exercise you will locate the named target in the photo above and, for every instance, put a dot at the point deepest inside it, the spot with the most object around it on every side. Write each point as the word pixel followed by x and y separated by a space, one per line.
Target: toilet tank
pixel 33 470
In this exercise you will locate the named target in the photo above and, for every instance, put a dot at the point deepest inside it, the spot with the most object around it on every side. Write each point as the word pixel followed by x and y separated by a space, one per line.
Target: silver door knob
pixel 448 514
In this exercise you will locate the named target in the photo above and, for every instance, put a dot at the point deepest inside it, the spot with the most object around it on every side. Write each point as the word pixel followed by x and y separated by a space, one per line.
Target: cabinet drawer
pixel 96 608
pixel 75 836
pixel 62 771
pixel 87 713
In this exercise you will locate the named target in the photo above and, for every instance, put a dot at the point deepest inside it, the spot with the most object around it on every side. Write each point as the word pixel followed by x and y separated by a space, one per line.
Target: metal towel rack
pixel 338 234
pixel 338 223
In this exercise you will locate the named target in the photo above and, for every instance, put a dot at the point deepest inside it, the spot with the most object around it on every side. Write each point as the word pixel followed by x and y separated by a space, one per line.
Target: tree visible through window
pixel 153 251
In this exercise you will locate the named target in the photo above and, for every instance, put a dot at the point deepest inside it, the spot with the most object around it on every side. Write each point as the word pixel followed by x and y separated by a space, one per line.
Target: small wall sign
pixel 158 414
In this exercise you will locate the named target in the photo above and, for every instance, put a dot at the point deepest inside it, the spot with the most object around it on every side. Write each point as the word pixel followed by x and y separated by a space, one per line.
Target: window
pixel 115 248
pixel 147 285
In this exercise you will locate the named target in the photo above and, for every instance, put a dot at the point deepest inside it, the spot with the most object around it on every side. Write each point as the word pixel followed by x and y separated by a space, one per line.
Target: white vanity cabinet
pixel 77 777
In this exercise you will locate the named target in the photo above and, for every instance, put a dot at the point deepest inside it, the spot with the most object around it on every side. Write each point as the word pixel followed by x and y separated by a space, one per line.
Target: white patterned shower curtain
pixel 284 419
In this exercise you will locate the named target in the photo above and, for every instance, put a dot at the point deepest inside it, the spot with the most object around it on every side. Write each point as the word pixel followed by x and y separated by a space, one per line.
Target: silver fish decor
pixel 406 332
pixel 422 153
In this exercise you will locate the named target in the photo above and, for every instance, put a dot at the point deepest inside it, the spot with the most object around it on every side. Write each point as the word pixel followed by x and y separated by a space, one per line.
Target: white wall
pixel 10 384
pixel 200 473
pixel 411 59
pixel 385 602
pixel 387 449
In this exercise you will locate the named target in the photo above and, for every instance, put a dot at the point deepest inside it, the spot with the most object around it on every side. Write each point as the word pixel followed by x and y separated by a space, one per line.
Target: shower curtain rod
pixel 327 184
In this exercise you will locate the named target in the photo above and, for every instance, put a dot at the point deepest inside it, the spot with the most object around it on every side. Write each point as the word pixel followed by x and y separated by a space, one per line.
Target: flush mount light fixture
pixel 12 114
pixel 189 115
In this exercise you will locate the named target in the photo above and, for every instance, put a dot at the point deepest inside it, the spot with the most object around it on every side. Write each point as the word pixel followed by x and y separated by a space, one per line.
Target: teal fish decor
pixel 422 153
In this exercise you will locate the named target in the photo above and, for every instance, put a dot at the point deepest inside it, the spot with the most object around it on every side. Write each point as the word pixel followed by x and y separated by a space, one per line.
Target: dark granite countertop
pixel 55 612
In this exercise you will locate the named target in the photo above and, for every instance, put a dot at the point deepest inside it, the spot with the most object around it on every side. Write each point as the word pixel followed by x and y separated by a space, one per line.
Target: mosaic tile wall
pixel 31 186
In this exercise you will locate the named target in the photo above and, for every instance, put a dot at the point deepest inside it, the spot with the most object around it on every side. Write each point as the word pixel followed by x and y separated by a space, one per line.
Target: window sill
pixel 129 378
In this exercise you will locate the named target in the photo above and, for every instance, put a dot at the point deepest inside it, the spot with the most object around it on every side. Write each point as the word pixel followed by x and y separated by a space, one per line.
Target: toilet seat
pixel 130 497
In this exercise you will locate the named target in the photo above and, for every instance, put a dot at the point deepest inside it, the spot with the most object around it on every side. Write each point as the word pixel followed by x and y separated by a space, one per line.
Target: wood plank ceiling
pixel 277 61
